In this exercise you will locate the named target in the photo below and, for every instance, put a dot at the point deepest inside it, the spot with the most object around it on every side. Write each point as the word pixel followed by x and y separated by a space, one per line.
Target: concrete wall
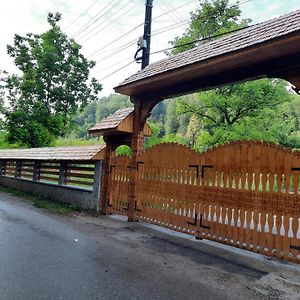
pixel 81 198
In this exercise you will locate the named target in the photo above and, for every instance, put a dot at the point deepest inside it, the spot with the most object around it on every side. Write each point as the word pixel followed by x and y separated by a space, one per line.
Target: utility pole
pixel 144 41
pixel 147 33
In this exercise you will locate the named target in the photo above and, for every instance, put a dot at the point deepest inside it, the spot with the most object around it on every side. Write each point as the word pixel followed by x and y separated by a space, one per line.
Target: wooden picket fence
pixel 244 194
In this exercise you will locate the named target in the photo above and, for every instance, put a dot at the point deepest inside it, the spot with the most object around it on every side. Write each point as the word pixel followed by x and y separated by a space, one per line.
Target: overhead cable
pixel 81 15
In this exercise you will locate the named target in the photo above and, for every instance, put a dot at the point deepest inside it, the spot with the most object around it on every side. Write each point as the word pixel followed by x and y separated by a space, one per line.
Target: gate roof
pixel 268 49
pixel 83 153
pixel 120 121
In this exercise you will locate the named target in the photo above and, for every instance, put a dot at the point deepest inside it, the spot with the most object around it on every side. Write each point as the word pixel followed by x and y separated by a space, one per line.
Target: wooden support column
pixel 104 194
pixel 137 147
pixel 141 113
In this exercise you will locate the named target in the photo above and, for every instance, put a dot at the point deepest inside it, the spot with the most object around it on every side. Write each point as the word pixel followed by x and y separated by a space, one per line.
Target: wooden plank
pixel 80 175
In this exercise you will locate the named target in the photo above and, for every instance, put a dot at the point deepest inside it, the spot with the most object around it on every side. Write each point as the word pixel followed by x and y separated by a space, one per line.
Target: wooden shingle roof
pixel 247 38
pixel 83 153
pixel 113 120
pixel 120 121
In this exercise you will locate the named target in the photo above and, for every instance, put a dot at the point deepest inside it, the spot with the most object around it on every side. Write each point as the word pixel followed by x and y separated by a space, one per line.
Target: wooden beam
pixel 274 68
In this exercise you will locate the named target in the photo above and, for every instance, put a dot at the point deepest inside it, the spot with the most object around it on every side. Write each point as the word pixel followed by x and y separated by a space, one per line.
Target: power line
pixel 113 65
pixel 200 40
pixel 119 16
pixel 82 14
pixel 170 27
pixel 117 50
pixel 114 72
pixel 127 45
pixel 117 39
pixel 125 34
pixel 174 13
pixel 115 53
pixel 100 13
pixel 170 11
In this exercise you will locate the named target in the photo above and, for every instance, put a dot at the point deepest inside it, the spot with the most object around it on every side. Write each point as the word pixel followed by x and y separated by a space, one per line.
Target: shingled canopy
pixel 117 123
pixel 269 49
pixel 83 153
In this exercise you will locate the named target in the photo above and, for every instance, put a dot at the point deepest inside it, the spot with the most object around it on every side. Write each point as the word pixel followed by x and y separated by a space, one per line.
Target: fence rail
pixel 67 173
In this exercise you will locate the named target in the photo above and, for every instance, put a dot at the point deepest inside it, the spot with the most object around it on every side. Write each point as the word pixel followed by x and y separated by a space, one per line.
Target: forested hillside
pixel 184 119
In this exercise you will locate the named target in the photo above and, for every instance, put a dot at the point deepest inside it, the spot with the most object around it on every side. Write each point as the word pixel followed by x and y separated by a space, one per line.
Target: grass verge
pixel 40 202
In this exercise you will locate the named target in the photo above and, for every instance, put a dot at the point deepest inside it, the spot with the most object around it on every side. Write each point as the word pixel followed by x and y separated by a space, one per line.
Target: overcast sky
pixel 102 41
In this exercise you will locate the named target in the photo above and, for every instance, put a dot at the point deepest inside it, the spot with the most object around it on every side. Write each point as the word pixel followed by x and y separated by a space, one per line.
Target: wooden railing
pixel 80 174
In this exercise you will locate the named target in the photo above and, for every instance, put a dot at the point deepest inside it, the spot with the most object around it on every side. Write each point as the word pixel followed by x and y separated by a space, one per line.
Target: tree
pixel 236 111
pixel 212 18
pixel 227 105
pixel 52 85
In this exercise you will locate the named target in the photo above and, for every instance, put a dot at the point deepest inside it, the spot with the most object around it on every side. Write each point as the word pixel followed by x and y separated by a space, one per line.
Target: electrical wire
pixel 159 31
pixel 81 15
pixel 200 40
pixel 117 39
pixel 170 27
pixel 94 19
pixel 116 17
pixel 114 72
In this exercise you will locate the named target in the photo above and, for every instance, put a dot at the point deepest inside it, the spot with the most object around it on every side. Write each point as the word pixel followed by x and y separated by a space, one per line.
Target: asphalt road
pixel 44 256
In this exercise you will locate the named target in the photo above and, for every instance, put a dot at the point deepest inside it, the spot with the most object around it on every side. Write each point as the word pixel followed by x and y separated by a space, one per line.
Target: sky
pixel 108 29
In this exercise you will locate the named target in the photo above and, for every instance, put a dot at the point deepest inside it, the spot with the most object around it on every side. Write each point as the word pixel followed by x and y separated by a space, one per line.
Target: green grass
pixel 40 202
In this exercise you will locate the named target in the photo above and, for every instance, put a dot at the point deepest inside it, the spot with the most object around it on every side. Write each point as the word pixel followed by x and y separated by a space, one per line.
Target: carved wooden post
pixel 137 147
pixel 104 194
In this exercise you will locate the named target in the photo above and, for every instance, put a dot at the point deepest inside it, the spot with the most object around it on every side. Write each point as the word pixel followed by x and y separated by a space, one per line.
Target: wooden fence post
pixel 18 169
pixel 3 168
pixel 104 194
pixel 36 170
pixel 96 182
pixel 62 173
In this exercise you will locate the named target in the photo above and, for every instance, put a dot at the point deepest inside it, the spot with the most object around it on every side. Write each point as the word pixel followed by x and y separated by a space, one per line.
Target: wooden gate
pixel 118 186
pixel 242 194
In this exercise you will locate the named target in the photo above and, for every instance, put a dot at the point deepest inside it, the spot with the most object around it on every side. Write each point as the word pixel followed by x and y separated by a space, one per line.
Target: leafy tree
pixel 171 120
pixel 272 125
pixel 212 18
pixel 108 105
pixel 237 111
pixel 227 105
pixel 52 85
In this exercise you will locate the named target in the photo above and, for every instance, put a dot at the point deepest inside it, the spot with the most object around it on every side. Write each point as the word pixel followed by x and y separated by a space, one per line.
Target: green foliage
pixel 52 86
pixel 96 111
pixel 212 18
pixel 271 125
pixel 75 141
pixel 226 105
pixel 157 138
pixel 257 110
pixel 124 150
pixel 4 143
